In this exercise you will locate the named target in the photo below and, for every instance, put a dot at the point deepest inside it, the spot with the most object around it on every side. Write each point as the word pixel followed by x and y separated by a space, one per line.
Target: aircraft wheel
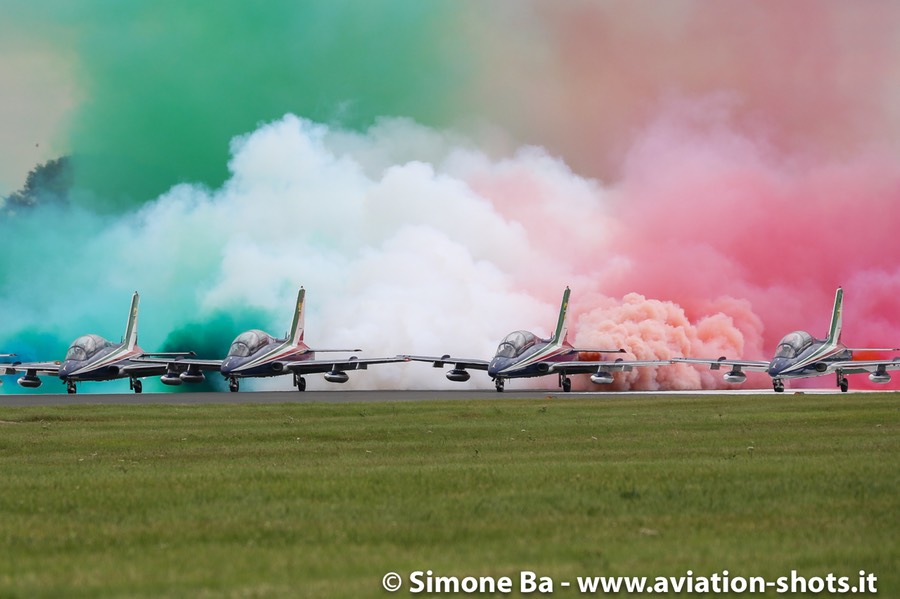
pixel 844 384
pixel 498 383
pixel 778 385
pixel 233 385
pixel 138 386
pixel 566 384
pixel 70 388
pixel 300 383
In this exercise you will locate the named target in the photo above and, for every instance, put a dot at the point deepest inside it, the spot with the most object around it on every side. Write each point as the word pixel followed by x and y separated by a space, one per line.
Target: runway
pixel 337 397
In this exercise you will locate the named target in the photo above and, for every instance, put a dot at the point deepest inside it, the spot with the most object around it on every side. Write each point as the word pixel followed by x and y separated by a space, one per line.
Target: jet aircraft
pixel 523 354
pixel 800 355
pixel 255 354
pixel 93 358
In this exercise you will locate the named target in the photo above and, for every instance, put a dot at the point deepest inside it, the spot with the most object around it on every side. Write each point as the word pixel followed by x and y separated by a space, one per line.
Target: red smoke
pixel 746 157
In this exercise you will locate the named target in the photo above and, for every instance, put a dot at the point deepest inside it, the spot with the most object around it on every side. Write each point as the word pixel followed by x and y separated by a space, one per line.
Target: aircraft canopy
pixel 515 343
pixel 793 344
pixel 86 346
pixel 248 343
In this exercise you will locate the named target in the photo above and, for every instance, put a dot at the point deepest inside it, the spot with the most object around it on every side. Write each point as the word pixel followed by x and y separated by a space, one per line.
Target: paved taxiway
pixel 260 397
pixel 269 397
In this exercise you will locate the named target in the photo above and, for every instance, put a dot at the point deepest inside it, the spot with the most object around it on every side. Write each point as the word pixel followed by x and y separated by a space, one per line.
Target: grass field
pixel 321 500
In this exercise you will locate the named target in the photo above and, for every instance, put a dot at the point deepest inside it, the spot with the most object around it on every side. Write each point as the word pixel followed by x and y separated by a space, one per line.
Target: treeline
pixel 48 182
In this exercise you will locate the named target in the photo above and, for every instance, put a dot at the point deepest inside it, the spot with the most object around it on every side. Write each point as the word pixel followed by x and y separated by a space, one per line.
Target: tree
pixel 48 182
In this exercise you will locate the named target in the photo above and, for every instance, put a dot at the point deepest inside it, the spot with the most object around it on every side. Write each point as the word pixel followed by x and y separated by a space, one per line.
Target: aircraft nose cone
pixel 496 365
pixel 66 368
pixel 775 368
pixel 228 366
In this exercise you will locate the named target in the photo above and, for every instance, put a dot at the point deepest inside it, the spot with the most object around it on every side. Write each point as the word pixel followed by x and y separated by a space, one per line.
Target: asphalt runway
pixel 274 397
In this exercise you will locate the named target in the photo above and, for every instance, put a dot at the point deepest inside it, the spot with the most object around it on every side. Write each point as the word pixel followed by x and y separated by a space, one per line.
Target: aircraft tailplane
pixel 131 328
pixel 834 331
pixel 296 334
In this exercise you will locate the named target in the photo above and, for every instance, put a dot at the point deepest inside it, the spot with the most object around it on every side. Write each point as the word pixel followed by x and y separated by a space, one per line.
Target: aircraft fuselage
pixel 532 362
pixel 812 361
pixel 103 365
pixel 267 360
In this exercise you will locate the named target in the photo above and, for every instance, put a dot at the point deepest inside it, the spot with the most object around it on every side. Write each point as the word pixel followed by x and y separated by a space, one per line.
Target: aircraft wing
pixel 459 363
pixel 584 367
pixel 45 368
pixel 351 363
pixel 175 363
pixel 859 366
pixel 142 369
pixel 753 365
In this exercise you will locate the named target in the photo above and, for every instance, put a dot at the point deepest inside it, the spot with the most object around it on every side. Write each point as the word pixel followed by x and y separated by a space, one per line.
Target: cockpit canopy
pixel 793 344
pixel 249 342
pixel 514 344
pixel 86 346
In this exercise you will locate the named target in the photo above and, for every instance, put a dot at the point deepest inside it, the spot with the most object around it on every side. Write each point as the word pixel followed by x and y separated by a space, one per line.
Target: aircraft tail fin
pixel 296 334
pixel 131 328
pixel 834 331
pixel 559 335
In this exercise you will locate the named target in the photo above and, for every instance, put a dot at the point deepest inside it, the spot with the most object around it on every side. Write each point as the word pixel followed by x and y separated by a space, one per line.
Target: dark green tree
pixel 48 182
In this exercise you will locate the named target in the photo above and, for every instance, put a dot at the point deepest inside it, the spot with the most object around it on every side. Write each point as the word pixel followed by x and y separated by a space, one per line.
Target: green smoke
pixel 211 337
pixel 163 86
pixel 168 83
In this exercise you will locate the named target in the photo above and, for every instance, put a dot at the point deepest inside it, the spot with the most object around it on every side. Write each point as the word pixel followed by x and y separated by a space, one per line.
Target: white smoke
pixel 408 241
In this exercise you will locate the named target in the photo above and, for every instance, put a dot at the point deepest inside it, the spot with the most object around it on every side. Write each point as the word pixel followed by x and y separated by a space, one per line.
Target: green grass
pixel 321 500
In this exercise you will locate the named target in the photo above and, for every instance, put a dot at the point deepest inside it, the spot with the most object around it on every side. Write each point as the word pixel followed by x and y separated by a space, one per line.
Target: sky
pixel 702 175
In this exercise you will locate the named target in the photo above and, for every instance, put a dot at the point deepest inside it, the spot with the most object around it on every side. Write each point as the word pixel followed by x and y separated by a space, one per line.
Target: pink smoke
pixel 713 243
pixel 746 164
pixel 582 78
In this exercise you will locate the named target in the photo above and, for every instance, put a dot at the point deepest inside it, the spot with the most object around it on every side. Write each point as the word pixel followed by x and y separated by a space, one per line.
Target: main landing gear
pixel 136 385
pixel 842 382
pixel 299 382
pixel 565 382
